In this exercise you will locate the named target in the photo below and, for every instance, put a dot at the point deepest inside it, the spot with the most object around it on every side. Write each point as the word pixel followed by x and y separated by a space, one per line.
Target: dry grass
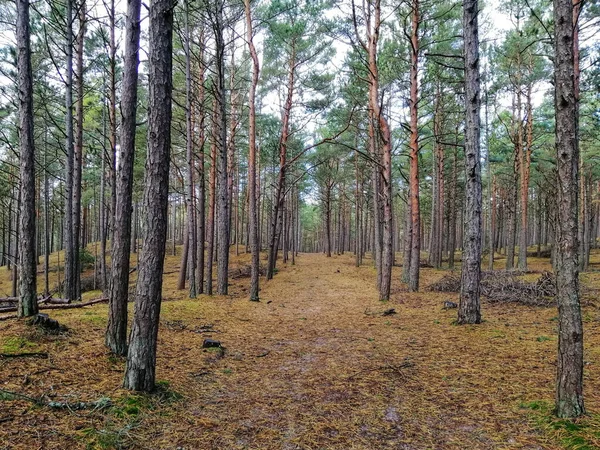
pixel 314 365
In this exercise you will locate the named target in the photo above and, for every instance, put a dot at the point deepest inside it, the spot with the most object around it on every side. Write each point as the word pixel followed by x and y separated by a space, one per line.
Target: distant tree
pixel 252 160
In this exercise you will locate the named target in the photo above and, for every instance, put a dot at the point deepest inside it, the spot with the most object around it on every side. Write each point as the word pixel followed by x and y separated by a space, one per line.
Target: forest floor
pixel 314 365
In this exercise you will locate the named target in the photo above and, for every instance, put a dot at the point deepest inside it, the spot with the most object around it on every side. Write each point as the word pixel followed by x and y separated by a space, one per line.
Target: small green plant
pixel 130 406
pixel 543 338
pixel 535 405
pixel 86 258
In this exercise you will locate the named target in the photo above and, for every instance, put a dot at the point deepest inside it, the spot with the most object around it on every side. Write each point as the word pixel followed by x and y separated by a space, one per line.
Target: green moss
pixel 16 344
pixel 576 434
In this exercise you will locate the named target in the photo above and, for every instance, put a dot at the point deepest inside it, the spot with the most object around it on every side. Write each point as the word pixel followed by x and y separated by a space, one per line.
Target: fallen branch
pixel 11 316
pixel 101 403
pixel 77 305
pixel 391 367
pixel 24 355
pixel 41 301
pixel 60 305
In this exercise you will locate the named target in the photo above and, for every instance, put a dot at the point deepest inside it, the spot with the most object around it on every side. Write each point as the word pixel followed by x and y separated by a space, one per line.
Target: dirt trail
pixel 316 365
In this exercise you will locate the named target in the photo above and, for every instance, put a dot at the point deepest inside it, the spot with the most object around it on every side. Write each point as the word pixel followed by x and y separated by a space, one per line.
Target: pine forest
pixel 299 224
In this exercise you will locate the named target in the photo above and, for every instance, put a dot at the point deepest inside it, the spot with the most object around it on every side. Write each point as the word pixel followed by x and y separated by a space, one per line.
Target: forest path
pixel 315 364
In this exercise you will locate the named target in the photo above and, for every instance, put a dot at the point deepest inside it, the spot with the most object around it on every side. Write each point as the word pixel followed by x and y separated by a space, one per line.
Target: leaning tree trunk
pixel 28 290
pixel 280 188
pixel 141 358
pixel 116 332
pixel 569 379
pixel 468 309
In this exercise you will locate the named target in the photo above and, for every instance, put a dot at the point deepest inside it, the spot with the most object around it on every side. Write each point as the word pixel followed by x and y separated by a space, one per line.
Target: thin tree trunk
pixel 415 252
pixel 78 150
pixel 211 206
pixel 525 171
pixel 280 188
pixel 191 216
pixel 201 178
pixel 223 227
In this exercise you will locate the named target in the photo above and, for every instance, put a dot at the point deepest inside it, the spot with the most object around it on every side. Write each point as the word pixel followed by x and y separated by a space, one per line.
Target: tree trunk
pixel 189 132
pixel 201 235
pixel 69 283
pixel 569 379
pixel 78 151
pixel 280 188
pixel 116 331
pixel 415 213
pixel 141 358
pixel 210 241
pixel 28 289
pixel 468 309
pixel 525 171
pixel 223 227
pixel 184 259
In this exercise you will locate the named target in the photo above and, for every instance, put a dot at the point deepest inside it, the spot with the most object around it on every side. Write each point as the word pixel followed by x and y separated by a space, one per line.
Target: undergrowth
pixel 126 415
pixel 578 434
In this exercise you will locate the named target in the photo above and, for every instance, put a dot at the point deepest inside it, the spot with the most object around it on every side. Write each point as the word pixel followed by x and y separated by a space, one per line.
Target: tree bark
pixel 78 150
pixel 116 331
pixel 210 240
pixel 525 172
pixel 223 227
pixel 252 161
pixel 201 205
pixel 415 213
pixel 469 309
pixel 27 305
pixel 69 282
pixel 191 216
pixel 141 357
pixel 569 379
